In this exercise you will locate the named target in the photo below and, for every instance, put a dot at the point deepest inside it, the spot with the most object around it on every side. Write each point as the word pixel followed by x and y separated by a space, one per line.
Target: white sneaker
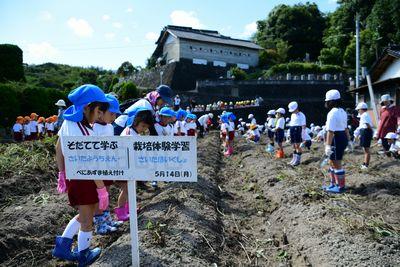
pixel 364 168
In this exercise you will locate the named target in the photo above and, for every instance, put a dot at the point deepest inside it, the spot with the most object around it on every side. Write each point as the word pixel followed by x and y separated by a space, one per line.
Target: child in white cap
pixel 297 127
pixel 394 144
pixel 337 139
pixel 252 119
pixel 270 133
pixel 279 131
pixel 365 132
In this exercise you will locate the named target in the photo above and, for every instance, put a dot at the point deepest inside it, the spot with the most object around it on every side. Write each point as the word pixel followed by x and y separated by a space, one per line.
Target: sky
pixel 106 33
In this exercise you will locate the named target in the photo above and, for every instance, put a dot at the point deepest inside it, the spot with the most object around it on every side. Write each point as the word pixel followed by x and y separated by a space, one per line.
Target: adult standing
pixel 203 120
pixel 389 119
pixel 177 103
pixel 153 101
pixel 61 109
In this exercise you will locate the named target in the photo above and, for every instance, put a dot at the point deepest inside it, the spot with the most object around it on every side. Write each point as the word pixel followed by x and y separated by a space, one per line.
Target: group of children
pixel 33 127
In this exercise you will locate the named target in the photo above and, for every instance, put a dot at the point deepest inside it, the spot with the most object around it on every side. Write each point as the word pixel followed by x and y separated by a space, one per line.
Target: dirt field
pixel 248 210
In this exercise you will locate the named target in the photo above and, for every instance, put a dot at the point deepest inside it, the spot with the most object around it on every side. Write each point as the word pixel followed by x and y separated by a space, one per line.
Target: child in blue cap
pixel 89 103
pixel 163 126
pixel 227 132
pixel 103 222
pixel 190 125
pixel 179 127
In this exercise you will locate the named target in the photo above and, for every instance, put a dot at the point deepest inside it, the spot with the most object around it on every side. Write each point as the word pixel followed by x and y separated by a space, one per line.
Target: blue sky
pixel 106 33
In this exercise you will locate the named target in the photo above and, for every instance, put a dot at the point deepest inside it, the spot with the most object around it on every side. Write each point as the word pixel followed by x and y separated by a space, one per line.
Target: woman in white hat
pixel 337 139
pixel 61 108
pixel 365 132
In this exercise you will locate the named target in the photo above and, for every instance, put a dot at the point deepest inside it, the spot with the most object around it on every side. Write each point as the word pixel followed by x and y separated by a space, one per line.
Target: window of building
pixel 217 63
pixel 221 51
pixel 199 61
pixel 190 47
pixel 210 50
pixel 200 48
pixel 243 66
pixel 230 52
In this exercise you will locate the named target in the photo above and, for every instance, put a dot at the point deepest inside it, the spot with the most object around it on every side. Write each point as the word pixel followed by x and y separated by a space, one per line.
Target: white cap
pixel 60 103
pixel 287 119
pixel 318 128
pixel 251 116
pixel 271 112
pixel 391 136
pixel 332 95
pixel 280 110
pixel 240 119
pixel 361 105
pixel 293 106
pixel 312 125
pixel 223 112
pixel 386 97
pixel 211 115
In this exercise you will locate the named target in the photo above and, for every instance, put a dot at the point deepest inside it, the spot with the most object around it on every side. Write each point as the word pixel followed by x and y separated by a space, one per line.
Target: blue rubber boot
pixel 101 225
pixel 110 220
pixel 332 183
pixel 62 249
pixel 336 190
pixel 88 256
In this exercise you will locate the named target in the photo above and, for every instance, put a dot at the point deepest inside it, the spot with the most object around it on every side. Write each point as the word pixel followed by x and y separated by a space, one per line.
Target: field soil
pixel 246 210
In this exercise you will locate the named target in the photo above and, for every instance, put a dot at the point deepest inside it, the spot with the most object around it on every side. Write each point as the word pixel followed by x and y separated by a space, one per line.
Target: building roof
pixel 199 35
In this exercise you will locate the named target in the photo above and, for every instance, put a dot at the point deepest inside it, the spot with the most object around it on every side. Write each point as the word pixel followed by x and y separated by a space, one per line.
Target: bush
pixel 298 68
pixel 10 106
pixel 11 68
pixel 331 56
pixel 127 90
pixel 238 73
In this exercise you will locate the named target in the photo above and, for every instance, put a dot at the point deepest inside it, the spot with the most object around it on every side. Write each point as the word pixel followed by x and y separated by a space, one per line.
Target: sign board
pixel 131 158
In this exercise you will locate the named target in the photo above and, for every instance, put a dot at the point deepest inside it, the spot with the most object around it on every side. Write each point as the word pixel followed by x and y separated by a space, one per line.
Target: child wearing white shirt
pixel 280 131
pixel 297 125
pixel 365 133
pixel 18 129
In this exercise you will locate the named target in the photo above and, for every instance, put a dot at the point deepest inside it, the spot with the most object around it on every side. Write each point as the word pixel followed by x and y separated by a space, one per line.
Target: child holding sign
pixel 89 102
pixel 103 222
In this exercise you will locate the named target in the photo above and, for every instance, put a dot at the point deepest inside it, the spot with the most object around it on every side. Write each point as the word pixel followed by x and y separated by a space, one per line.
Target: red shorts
pixel 191 132
pixel 231 135
pixel 223 136
pixel 82 192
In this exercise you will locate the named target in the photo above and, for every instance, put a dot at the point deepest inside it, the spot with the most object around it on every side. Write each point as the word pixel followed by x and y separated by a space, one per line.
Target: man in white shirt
pixel 177 102
pixel 203 123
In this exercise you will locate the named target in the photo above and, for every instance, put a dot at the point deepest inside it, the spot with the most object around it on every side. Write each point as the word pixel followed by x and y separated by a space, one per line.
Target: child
pixel 33 127
pixel 252 119
pixel 88 103
pixel 49 127
pixel 103 222
pixel 306 136
pixel 190 125
pixel 18 129
pixel 178 127
pixel 394 149
pixel 279 131
pixel 270 133
pixel 227 133
pixel 365 133
pixel 27 128
pixel 41 129
pixel 297 127
pixel 321 134
pixel 337 139
pixel 253 134
pixel 240 126
pixel 164 127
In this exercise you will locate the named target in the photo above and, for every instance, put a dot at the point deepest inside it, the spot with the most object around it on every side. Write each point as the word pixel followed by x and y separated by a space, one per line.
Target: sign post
pixel 131 159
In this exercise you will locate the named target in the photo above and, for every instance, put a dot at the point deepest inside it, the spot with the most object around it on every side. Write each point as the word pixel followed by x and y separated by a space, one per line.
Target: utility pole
pixel 357 50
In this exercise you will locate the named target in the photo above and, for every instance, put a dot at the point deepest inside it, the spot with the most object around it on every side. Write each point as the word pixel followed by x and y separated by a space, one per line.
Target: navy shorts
pixel 295 134
pixel 279 135
pixel 271 134
pixel 339 144
pixel 366 137
pixel 308 144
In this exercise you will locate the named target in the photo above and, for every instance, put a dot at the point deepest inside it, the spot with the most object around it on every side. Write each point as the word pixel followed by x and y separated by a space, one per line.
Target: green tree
pixel 11 68
pixel 126 69
pixel 331 56
pixel 238 73
pixel 10 107
pixel 128 90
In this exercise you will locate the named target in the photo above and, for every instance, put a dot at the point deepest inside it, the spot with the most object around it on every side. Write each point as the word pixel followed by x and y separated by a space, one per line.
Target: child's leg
pixel 367 156
pixel 72 228
pixel 86 213
pixel 123 195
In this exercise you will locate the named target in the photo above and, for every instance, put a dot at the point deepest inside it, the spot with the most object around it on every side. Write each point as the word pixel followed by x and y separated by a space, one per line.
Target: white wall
pixel 393 71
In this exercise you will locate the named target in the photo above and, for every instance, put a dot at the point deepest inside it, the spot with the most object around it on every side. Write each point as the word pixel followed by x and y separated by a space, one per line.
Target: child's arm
pixel 59 157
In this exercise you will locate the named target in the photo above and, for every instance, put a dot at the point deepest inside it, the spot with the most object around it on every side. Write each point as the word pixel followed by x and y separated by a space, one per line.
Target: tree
pixel 331 56
pixel 238 73
pixel 301 26
pixel 88 76
pixel 151 62
pixel 128 90
pixel 126 69
pixel 11 68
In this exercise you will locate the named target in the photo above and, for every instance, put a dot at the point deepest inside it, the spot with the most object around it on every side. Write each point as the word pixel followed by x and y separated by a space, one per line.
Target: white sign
pixel 131 158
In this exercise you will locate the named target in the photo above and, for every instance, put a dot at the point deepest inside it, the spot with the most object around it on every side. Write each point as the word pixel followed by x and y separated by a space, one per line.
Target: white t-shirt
pixel 128 131
pixel 41 128
pixel 27 130
pixel 271 123
pixel 33 125
pixel 177 101
pixel 141 103
pixel 226 127
pixel 203 120
pixel 103 129
pixel 336 120
pixel 305 135
pixel 364 120
pixel 253 121
pixel 280 123
pixel 297 119
pixel 254 132
pixel 17 128
pixel 189 126
pixel 71 128
pixel 50 126
pixel 167 130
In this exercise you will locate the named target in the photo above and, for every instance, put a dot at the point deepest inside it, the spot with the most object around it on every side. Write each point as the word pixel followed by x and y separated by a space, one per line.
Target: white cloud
pixel 109 35
pixel 249 30
pixel 41 52
pixel 129 10
pixel 185 18
pixel 117 25
pixel 332 1
pixel 105 17
pixel 127 39
pixel 152 36
pixel 45 16
pixel 80 27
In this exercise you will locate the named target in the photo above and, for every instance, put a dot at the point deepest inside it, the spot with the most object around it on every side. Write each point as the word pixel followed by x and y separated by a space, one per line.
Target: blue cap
pixel 231 116
pixel 80 97
pixel 132 114
pixel 191 116
pixel 114 104
pixel 181 114
pixel 225 118
pixel 165 93
pixel 167 112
